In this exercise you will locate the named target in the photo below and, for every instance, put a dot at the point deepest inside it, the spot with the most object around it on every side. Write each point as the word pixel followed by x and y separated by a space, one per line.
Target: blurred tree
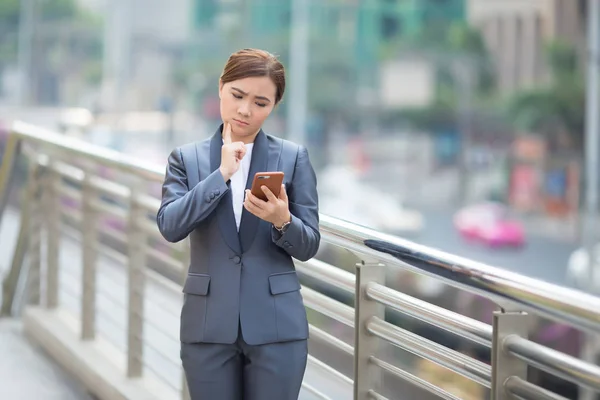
pixel 556 109
pixel 451 47
pixel 9 25
pixel 53 12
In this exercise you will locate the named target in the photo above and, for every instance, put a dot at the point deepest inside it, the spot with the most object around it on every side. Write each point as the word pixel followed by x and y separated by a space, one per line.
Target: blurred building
pixel 367 23
pixel 516 31
pixel 143 39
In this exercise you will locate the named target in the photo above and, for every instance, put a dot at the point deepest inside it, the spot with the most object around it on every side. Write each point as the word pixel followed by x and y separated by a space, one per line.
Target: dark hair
pixel 248 63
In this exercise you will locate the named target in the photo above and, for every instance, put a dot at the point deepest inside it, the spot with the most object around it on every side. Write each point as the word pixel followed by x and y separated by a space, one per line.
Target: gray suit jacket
pixel 247 276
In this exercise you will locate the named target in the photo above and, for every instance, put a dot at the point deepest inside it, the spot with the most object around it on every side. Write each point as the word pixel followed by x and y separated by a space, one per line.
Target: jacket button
pixel 212 195
pixel 217 192
pixel 237 259
pixel 207 198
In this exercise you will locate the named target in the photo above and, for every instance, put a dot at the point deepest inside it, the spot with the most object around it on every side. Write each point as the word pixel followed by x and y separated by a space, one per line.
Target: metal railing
pixel 119 210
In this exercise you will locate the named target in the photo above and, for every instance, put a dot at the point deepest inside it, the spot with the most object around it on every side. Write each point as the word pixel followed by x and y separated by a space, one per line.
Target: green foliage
pixel 50 11
pixel 558 107
pixel 447 45
pixel 58 10
pixel 9 14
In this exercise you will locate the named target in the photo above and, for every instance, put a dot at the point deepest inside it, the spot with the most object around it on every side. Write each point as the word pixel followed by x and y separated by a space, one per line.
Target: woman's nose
pixel 244 110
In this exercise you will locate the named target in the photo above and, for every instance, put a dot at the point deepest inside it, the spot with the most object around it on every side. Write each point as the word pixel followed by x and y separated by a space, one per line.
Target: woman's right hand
pixel 231 154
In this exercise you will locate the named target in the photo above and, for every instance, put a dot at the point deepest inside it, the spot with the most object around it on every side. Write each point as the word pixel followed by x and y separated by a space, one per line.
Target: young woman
pixel 243 324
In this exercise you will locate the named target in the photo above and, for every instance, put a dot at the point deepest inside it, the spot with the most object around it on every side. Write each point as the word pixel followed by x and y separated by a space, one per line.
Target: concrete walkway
pixel 27 373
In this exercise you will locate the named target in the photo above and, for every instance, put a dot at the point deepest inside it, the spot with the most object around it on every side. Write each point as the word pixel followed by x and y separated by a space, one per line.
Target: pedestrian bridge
pixel 93 283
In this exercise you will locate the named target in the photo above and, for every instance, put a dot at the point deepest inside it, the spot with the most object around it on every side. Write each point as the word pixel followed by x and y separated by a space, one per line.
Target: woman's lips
pixel 241 122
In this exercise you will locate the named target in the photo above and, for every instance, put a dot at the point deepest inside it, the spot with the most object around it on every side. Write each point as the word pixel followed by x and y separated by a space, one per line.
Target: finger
pixel 241 150
pixel 255 210
pixel 251 208
pixel 283 194
pixel 270 196
pixel 252 199
pixel 227 133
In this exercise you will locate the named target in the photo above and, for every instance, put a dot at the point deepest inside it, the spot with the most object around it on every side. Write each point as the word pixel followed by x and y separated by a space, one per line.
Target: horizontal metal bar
pixel 173 265
pixel 376 396
pixel 315 362
pixel 317 333
pixel 441 355
pixel 529 391
pixel 76 175
pixel 109 209
pixel 327 273
pixel 160 375
pixel 148 203
pixel 311 389
pixel 113 254
pixel 66 171
pixel 149 228
pixel 161 352
pixel 328 306
pixel 161 281
pixel 499 285
pixel 415 380
pixel 113 233
pixel 73 216
pixel 110 188
pixel 554 362
pixel 69 192
pixel 466 327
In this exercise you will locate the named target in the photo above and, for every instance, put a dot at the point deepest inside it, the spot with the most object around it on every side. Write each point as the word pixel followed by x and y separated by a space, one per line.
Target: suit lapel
pixel 225 208
pixel 260 163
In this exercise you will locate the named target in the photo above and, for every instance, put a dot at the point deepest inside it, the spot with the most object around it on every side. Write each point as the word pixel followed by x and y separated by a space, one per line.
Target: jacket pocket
pixel 197 284
pixel 284 283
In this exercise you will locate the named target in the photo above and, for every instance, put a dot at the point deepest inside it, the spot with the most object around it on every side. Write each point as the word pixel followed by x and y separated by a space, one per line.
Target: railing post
pixel 90 256
pixel 11 155
pixel 366 375
pixel 137 243
pixel 504 365
pixel 185 391
pixel 52 208
pixel 34 192
pixel 10 282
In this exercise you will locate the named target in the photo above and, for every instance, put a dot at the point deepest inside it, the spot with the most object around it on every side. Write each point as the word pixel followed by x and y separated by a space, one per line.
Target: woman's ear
pixel 221 84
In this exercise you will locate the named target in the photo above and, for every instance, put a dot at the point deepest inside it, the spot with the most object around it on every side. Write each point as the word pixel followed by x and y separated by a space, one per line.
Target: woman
pixel 243 324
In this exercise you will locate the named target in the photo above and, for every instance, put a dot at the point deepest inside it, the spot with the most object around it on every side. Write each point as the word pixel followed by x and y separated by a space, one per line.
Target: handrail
pixel 552 301
pixel 505 287
pixel 513 292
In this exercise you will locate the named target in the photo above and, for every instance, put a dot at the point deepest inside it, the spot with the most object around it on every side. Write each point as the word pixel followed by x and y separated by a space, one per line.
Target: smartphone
pixel 272 180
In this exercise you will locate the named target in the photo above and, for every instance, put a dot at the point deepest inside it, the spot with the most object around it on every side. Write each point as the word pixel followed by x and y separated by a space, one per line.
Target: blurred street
pixel 542 257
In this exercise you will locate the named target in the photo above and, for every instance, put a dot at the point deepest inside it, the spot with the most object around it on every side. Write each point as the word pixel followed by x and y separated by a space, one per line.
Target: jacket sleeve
pixel 301 239
pixel 181 210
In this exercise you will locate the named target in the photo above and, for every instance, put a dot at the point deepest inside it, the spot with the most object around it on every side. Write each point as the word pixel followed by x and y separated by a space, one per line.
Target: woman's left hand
pixel 275 210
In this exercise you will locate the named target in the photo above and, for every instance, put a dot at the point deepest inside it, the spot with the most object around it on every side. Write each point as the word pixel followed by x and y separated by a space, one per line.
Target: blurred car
pixel 490 223
pixel 579 270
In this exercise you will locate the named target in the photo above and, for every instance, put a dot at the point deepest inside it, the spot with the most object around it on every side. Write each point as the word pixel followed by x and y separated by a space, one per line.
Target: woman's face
pixel 245 104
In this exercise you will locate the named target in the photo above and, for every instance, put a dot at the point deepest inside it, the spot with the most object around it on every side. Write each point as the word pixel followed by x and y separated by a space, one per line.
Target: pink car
pixel 490 224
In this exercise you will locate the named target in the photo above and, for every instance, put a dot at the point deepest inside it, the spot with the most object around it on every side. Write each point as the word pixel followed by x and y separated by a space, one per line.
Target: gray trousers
pixel 240 371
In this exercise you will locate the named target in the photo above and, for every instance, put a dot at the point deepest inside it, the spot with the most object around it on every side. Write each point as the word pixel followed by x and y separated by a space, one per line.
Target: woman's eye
pixel 261 105
pixel 237 96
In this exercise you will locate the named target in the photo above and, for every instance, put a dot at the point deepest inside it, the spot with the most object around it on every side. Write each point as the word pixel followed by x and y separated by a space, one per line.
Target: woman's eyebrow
pixel 244 93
